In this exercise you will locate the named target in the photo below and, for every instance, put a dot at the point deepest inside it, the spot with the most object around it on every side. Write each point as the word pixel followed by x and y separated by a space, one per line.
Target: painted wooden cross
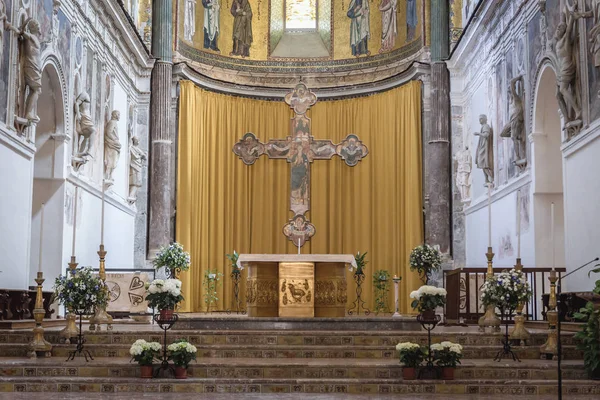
pixel 300 149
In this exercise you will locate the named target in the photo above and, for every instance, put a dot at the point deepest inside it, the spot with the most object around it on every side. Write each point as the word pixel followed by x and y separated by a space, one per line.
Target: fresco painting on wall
pixel 212 11
pixel 505 246
pixel 411 19
pixel 44 17
pixel 360 32
pixel 242 28
pixel 64 44
pixel 389 24
pixel 4 62
pixel 525 201
pixel 535 47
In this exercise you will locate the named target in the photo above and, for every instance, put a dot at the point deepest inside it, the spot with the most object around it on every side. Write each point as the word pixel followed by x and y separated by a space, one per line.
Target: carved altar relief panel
pixel 296 289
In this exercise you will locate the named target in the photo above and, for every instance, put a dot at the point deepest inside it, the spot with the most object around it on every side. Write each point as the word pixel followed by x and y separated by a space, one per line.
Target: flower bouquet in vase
pixel 426 299
pixel 181 353
pixel 446 356
pixel 425 259
pixel 173 258
pixel 411 355
pixel 144 354
pixel 164 295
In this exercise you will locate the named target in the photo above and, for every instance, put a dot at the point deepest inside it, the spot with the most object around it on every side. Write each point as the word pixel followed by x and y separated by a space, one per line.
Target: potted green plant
pixel 426 299
pixel 181 353
pixel 361 261
pixel 144 354
pixel 173 258
pixel 164 295
pixel 233 258
pixel 589 336
pixel 446 355
pixel 425 259
pixel 411 355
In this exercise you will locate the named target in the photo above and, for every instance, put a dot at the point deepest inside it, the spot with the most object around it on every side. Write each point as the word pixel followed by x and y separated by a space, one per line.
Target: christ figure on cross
pixel 300 149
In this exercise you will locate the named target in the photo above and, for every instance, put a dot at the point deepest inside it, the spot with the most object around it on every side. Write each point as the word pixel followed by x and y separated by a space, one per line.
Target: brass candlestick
pixel 70 331
pixel 39 345
pixel 551 345
pixel 489 318
pixel 101 316
pixel 520 332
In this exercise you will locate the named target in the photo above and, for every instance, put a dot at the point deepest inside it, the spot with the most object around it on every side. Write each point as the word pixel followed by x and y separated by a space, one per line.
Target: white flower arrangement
pixel 453 347
pixel 182 346
pixel 428 298
pixel 425 259
pixel 427 291
pixel 144 352
pixel 411 354
pixel 407 346
pixel 164 293
pixel 182 353
pixel 447 354
pixel 173 258
pixel 506 290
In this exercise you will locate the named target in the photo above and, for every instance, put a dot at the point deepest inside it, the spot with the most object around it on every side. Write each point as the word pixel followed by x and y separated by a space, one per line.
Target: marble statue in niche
pixel 30 65
pixel 515 128
pixel 568 93
pixel 464 162
pixel 136 161
pixel 84 126
pixel 189 20
pixel 389 24
pixel 212 11
pixel 360 32
pixel 484 158
pixel 112 147
pixel 242 28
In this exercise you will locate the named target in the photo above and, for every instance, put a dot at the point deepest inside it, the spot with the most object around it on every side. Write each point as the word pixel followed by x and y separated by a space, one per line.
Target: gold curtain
pixel 223 204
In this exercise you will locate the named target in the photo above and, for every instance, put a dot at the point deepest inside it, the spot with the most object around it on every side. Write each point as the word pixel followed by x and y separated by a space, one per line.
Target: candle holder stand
pixel 506 347
pixel 39 346
pixel 359 302
pixel 165 324
pixel 70 331
pixel 489 319
pixel 101 316
pixel 519 332
pixel 236 276
pixel 396 298
pixel 79 350
pixel 550 348
pixel 429 322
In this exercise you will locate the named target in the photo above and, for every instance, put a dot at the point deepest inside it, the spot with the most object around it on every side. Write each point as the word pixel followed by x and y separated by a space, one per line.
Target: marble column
pixel 437 144
pixel 162 148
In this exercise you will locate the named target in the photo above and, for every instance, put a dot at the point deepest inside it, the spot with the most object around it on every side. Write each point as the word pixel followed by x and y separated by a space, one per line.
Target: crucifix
pixel 300 149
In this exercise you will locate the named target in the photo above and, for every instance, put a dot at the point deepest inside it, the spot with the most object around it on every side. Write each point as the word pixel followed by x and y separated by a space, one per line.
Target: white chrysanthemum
pixel 415 295
pixel 407 346
pixel 436 347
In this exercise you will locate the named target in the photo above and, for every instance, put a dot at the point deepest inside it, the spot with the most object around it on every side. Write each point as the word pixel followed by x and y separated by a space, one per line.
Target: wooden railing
pixel 463 303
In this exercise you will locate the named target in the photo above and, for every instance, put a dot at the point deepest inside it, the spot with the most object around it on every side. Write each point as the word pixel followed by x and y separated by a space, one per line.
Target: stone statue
pixel 463 174
pixel 515 129
pixel 84 126
pixel 565 39
pixel 112 147
pixel 484 158
pixel 136 161
pixel 30 61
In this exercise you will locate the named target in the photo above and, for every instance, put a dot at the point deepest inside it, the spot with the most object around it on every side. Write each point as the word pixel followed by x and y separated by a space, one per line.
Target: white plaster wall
pixel 16 174
pixel 582 213
pixel 504 224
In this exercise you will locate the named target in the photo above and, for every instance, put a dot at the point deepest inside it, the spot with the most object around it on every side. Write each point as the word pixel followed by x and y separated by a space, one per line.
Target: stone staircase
pixel 271 361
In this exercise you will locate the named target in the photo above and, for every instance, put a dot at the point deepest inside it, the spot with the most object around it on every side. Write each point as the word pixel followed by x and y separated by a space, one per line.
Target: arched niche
pixel 48 177
pixel 547 171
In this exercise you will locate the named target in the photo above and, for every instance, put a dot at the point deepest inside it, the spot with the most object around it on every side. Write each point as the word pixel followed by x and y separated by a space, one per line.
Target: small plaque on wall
pixel 127 292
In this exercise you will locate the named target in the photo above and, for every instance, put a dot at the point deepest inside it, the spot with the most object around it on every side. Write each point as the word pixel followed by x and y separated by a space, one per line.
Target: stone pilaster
pixel 160 231
pixel 437 144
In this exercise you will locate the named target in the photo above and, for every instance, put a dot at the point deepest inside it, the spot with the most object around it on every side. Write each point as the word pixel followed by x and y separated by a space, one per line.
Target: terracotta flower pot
pixel 146 371
pixel 409 373
pixel 448 373
pixel 180 373
pixel 166 314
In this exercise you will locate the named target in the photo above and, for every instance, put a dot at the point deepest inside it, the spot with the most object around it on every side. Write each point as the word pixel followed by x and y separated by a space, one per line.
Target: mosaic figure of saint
pixel 411 19
pixel 389 24
pixel 242 28
pixel 212 11
pixel 358 12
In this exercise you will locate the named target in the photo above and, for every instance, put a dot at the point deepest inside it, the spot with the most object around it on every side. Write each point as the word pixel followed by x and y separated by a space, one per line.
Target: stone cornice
pixel 182 71
pixel 17 143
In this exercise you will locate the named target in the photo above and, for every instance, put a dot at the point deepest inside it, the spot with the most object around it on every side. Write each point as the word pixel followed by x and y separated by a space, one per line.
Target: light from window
pixel 300 14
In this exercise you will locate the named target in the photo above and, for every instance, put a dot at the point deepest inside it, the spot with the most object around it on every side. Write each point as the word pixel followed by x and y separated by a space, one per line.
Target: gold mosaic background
pixel 260 28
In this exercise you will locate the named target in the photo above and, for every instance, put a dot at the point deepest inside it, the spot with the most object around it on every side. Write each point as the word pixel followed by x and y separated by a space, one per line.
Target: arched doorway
pixel 547 172
pixel 48 180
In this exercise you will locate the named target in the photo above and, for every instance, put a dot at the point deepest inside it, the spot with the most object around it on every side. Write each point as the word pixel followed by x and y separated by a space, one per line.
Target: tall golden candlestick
pixel 101 316
pixel 489 318
pixel 39 345
pixel 520 332
pixel 551 345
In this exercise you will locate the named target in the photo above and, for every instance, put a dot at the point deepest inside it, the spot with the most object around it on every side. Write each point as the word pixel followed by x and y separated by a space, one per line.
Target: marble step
pixel 285 352
pixel 271 338
pixel 242 368
pixel 487 387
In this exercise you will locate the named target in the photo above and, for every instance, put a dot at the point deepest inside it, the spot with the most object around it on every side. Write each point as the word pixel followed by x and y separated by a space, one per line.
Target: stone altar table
pixel 296 285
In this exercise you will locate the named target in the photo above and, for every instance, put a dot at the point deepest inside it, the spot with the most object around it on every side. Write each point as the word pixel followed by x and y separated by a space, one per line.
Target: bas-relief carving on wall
pixel 464 163
pixel 137 157
pixel 5 7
